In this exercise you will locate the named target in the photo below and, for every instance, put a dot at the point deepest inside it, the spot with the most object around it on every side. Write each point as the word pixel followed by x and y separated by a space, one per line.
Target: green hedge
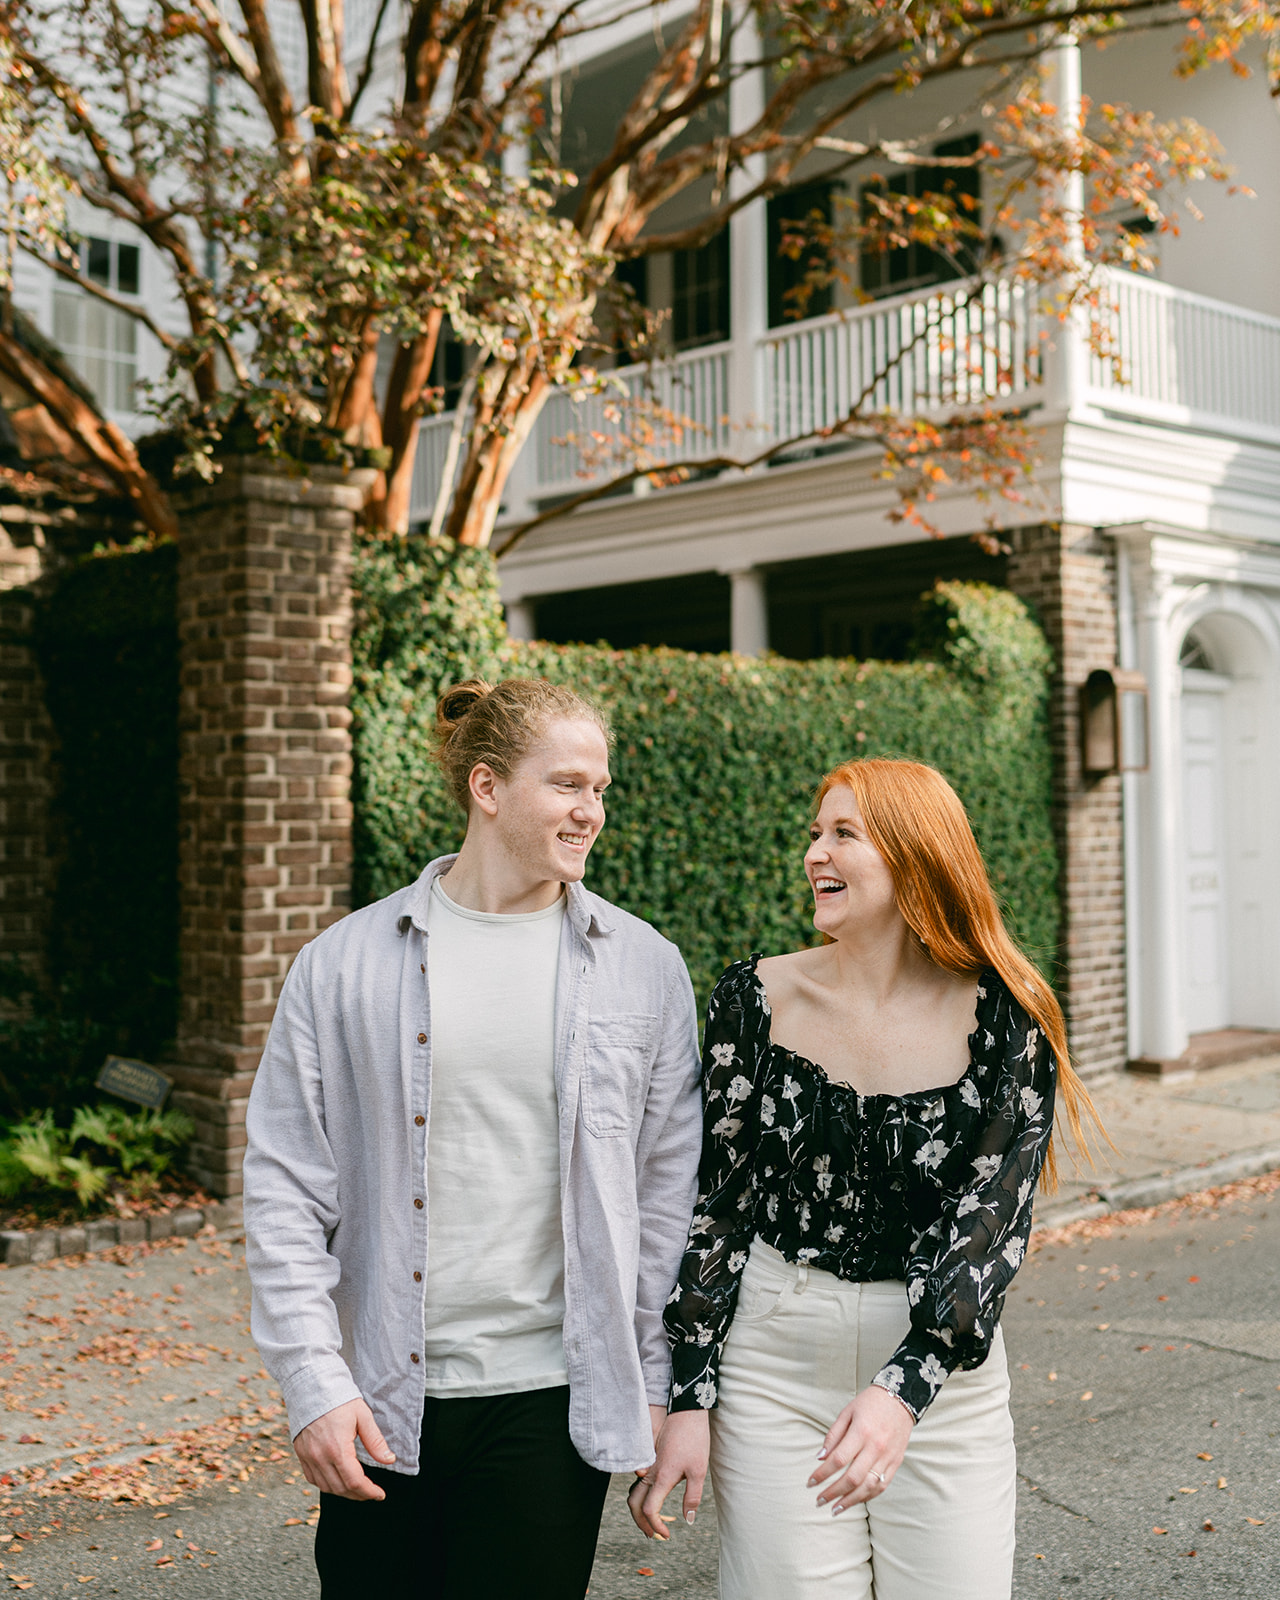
pixel 717 756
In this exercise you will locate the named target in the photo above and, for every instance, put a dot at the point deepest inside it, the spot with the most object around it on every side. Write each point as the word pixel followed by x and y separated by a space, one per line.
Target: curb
pixel 1139 1193
pixel 20 1248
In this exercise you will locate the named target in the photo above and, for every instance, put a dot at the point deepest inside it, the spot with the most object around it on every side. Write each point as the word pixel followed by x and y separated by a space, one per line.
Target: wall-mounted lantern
pixel 1114 725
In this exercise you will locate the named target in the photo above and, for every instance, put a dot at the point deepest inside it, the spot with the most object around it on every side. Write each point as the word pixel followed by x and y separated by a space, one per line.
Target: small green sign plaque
pixel 134 1080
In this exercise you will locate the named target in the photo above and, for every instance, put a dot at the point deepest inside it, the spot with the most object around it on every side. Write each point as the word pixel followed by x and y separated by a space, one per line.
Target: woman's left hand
pixel 863 1450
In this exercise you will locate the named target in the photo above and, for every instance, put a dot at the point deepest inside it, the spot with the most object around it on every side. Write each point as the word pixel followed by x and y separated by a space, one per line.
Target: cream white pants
pixel 802 1344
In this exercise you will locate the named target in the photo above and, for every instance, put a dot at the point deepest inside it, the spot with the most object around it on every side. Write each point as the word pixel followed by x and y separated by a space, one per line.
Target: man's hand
pixel 657 1416
pixel 327 1450
pixel 683 1447
pixel 863 1450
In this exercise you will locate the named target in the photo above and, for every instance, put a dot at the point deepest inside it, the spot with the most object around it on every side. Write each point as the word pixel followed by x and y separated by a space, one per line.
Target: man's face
pixel 551 808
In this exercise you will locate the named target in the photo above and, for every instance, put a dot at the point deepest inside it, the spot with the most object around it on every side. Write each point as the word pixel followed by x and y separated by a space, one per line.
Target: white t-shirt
pixel 495 1268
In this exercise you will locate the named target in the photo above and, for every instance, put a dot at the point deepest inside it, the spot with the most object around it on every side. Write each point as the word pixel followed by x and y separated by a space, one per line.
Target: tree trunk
pixel 494 451
pixel 357 416
pixel 401 418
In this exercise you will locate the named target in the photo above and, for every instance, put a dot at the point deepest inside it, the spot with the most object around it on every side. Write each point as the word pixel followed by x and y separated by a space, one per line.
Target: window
pixel 700 293
pixel 100 342
pixel 787 214
pixel 914 265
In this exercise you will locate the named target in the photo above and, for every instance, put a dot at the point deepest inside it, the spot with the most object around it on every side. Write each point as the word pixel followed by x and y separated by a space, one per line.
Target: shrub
pixel 718 755
pixel 103 1145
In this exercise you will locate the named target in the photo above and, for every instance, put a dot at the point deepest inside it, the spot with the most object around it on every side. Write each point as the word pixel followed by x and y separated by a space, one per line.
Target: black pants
pixel 502 1505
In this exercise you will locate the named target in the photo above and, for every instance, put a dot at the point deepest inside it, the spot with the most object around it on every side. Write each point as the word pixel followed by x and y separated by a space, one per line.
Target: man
pixel 472 1153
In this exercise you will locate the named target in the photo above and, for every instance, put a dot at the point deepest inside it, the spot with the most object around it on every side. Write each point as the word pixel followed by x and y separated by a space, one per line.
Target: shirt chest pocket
pixel 615 1073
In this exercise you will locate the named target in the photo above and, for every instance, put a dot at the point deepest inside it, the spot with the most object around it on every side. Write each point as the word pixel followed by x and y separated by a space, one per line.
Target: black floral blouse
pixel 934 1187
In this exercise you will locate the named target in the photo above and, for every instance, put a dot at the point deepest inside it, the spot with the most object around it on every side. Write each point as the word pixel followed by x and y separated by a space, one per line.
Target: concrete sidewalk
pixel 1174 1136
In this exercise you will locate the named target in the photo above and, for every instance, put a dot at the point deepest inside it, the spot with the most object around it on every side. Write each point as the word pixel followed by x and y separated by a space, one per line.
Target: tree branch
pixel 222 36
pixel 366 71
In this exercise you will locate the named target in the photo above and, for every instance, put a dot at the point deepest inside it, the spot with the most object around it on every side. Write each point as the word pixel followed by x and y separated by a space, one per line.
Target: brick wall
pixel 26 752
pixel 264 618
pixel 1068 574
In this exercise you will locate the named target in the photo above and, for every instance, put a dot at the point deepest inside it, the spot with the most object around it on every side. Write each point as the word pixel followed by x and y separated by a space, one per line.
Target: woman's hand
pixel 863 1450
pixel 683 1448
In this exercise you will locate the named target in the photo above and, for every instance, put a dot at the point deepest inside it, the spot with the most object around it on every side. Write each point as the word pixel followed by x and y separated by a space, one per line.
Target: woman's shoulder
pixel 1012 1032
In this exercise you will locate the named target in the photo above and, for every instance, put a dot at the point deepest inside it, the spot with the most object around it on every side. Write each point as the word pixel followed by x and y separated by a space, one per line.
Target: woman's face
pixel 852 886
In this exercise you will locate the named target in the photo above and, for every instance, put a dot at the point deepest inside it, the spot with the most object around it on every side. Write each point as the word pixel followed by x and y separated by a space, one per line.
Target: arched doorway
pixel 1228 855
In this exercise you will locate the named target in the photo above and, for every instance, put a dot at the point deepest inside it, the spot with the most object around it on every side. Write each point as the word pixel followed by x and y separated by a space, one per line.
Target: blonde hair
pixel 917 822
pixel 498 724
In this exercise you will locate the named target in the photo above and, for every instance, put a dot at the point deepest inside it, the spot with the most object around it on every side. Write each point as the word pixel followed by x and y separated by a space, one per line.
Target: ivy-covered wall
pixel 717 756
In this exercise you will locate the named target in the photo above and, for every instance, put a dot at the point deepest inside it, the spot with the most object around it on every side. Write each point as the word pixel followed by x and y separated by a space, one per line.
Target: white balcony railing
pixel 674 410
pixel 1175 358
pixel 1188 360
pixel 919 352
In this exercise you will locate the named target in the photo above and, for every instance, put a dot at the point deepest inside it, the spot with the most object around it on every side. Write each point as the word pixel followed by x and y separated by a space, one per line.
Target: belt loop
pixel 802 1277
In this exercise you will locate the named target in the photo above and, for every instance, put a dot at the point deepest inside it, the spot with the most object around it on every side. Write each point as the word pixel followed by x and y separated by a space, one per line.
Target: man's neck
pixel 477 882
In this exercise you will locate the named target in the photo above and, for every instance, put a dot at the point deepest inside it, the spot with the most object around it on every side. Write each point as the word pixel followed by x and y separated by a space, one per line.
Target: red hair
pixel 916 821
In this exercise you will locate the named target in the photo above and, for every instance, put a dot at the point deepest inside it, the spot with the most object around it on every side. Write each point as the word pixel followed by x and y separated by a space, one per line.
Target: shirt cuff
pixel 916 1371
pixel 697 1390
pixel 315 1390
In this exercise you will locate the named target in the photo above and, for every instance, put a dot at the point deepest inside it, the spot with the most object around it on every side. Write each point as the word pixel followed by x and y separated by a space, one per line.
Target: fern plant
pixel 37 1149
pixel 104 1143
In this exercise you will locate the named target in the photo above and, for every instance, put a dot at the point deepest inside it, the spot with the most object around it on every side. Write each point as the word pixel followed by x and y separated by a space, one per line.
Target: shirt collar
pixel 586 910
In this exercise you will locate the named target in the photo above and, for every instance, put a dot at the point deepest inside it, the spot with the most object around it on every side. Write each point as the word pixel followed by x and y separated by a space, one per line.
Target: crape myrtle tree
pixel 320 239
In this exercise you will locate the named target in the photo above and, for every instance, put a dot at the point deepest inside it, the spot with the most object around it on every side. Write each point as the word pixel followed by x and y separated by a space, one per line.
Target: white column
pixel 1164 1029
pixel 521 619
pixel 748 612
pixel 748 253
pixel 1066 354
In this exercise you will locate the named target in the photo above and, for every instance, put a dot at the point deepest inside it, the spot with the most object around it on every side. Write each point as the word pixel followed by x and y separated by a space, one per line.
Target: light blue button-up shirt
pixel 336 1212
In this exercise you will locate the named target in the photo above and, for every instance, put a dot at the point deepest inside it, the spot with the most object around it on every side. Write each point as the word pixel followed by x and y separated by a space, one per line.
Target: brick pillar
pixel 27 744
pixel 1069 575
pixel 264 620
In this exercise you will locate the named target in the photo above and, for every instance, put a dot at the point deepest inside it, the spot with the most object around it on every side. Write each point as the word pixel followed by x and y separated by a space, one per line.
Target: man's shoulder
pixel 371 925
pixel 631 930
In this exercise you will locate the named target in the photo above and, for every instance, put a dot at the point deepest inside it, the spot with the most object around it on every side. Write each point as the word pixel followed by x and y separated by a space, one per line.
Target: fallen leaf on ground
pixel 645 1572
pixel 1159 1530
pixel 1258 1522
pixel 1204 1456
pixel 1208 1526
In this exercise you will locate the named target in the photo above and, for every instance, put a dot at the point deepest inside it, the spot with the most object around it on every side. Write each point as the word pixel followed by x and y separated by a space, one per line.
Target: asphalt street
pixel 1146 1368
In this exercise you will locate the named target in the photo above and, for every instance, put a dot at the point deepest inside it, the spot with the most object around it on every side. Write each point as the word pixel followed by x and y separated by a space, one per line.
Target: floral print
pixel 932 1188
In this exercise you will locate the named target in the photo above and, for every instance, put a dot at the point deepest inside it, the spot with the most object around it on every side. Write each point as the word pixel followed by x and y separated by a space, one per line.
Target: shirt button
pixel 422 1038
pixel 419 1121
pixel 417 1205
pixel 417 1277
pixel 414 1358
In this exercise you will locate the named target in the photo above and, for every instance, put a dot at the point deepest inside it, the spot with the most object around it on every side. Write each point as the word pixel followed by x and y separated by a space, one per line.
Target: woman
pixel 877 1113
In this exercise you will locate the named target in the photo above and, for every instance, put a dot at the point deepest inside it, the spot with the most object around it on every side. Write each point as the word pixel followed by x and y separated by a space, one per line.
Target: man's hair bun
pixel 455 704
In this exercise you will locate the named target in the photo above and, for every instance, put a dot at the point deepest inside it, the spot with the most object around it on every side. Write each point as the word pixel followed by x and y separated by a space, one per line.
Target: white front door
pixel 1204 886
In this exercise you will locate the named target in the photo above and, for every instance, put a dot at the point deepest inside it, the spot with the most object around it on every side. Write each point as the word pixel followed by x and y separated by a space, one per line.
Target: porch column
pixel 264 623
pixel 748 255
pixel 1163 1026
pixel 748 612
pixel 1066 355
pixel 521 619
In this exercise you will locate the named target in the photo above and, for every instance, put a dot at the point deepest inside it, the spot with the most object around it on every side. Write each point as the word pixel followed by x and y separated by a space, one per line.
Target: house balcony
pixel 1188 385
